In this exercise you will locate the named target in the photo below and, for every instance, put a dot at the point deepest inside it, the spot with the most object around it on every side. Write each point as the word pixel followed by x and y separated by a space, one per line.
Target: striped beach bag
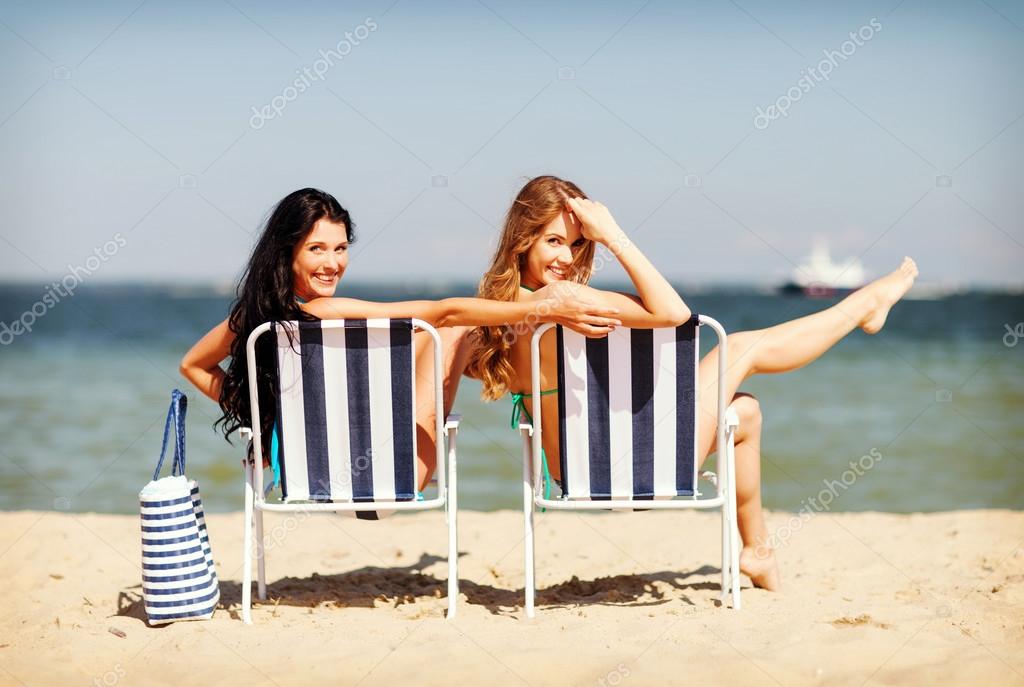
pixel 178 577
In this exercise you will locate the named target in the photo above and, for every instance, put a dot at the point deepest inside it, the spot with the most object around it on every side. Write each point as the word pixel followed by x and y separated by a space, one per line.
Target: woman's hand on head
pixel 596 221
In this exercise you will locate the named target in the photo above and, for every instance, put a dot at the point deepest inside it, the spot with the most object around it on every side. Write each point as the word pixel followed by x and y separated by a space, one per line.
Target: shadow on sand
pixel 369 586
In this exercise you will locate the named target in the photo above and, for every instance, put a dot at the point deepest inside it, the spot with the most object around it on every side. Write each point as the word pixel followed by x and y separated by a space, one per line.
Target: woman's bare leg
pixel 756 560
pixel 782 348
pixel 456 348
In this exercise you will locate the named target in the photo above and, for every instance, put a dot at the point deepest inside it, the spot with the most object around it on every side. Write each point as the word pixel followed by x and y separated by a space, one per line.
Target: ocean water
pixel 936 400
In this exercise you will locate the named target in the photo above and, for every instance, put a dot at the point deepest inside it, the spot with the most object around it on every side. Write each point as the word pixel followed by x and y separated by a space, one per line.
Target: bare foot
pixel 886 291
pixel 761 568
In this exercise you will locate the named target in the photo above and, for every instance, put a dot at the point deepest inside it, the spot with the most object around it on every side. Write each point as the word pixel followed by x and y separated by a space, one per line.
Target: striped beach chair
pixel 627 432
pixel 346 424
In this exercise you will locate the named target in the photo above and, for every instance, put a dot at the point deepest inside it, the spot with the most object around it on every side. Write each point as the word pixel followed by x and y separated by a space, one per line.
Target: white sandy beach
pixel 631 599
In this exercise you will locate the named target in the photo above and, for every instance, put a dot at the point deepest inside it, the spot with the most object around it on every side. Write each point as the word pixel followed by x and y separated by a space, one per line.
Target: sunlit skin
pixel 784 347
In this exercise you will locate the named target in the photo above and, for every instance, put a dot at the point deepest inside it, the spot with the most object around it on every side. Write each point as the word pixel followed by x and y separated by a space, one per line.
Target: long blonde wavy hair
pixel 539 202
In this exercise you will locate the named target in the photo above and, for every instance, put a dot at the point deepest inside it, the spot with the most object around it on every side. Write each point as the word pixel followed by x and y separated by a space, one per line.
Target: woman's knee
pixel 748 408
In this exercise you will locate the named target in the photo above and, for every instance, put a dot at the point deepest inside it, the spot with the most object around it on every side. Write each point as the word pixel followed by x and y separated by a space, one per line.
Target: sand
pixel 625 599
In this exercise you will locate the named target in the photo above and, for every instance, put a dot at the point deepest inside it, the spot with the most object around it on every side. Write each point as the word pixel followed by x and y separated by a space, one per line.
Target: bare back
pixel 521 382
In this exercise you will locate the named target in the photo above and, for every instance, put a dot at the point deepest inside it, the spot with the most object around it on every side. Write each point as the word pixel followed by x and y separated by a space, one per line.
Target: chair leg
pixel 530 557
pixel 247 548
pixel 735 566
pixel 453 535
pixel 734 532
pixel 261 569
pixel 530 581
pixel 723 490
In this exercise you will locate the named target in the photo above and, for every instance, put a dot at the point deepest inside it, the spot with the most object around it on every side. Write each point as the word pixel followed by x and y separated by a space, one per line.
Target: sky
pixel 148 142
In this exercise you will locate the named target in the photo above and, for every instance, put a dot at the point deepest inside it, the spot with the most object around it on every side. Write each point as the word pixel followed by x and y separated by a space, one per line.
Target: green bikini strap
pixel 518 408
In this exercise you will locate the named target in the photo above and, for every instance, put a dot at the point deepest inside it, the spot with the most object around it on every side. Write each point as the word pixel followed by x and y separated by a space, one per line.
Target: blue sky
pixel 136 121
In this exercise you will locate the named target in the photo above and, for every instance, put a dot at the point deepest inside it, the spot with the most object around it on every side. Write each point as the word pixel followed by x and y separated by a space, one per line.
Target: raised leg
pixel 457 349
pixel 791 345
pixel 777 349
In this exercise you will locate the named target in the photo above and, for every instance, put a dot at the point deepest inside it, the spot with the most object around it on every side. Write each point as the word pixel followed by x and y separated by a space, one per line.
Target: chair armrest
pixel 732 420
pixel 246 434
pixel 526 427
pixel 453 421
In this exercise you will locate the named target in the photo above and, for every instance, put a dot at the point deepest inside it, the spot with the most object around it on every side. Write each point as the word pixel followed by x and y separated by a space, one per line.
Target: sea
pixel 928 415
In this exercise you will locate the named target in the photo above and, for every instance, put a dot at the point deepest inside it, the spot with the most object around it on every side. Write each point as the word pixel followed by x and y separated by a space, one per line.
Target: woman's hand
pixel 561 306
pixel 597 223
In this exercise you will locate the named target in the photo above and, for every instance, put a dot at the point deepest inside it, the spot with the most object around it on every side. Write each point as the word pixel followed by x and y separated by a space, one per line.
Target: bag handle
pixel 175 416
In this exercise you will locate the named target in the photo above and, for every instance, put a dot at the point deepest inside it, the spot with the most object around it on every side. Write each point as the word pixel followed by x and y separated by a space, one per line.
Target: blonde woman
pixel 548 243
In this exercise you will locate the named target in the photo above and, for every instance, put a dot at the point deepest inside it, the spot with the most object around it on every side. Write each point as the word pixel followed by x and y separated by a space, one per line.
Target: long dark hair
pixel 266 291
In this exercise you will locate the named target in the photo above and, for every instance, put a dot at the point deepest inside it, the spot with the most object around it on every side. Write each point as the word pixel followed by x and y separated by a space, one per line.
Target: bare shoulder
pixel 326 308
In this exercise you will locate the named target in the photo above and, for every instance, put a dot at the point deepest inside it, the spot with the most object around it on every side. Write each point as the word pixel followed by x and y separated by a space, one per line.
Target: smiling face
pixel 551 256
pixel 319 260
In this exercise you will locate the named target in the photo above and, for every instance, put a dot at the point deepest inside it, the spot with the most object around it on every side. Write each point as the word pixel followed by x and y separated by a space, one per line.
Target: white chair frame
pixel 256 504
pixel 725 485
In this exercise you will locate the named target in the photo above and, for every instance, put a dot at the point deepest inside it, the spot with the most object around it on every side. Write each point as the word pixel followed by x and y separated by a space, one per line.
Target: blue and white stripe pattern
pixel 345 411
pixel 627 413
pixel 178 577
pixel 204 536
pixel 179 581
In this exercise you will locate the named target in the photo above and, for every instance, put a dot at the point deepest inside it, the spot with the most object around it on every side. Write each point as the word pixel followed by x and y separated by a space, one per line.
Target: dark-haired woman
pixel 292 274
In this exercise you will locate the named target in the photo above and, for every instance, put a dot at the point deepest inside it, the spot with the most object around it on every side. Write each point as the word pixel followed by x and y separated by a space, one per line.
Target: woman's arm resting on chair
pixel 586 318
pixel 201 365
pixel 657 304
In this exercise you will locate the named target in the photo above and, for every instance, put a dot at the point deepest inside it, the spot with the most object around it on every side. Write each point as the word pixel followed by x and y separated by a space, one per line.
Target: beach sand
pixel 625 599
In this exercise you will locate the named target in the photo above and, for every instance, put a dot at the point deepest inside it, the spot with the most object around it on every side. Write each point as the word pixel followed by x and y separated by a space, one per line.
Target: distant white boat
pixel 819 276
